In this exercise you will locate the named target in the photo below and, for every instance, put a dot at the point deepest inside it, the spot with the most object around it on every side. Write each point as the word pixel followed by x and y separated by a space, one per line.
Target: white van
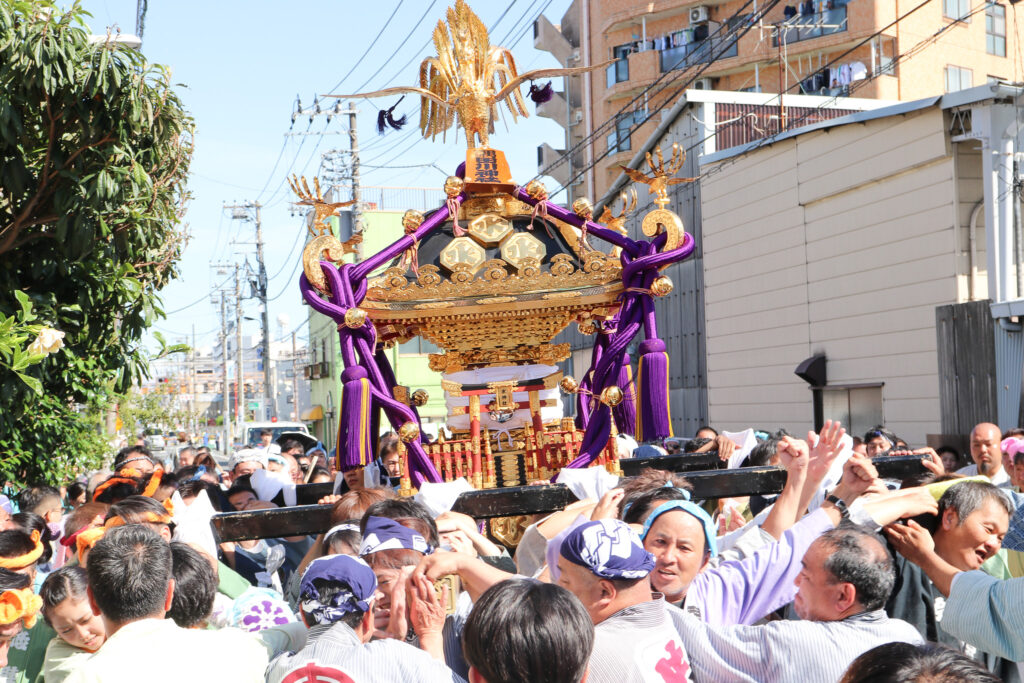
pixel 249 434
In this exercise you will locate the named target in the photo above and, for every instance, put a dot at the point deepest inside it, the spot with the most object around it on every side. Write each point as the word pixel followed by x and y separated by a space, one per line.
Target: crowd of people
pixel 841 576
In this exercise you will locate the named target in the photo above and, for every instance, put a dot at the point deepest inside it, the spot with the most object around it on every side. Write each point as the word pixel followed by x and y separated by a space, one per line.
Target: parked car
pixel 249 433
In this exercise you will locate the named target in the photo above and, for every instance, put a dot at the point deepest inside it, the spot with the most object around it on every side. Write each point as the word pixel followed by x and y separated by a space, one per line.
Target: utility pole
pixel 239 353
pixel 295 380
pixel 357 213
pixel 251 211
pixel 192 412
pixel 225 409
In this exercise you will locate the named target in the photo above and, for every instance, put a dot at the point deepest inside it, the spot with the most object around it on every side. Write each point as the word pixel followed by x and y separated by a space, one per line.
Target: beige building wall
pixel 921 71
pixel 840 241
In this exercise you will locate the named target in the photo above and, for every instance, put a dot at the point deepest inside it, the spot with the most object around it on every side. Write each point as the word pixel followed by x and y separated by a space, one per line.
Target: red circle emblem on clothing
pixel 314 673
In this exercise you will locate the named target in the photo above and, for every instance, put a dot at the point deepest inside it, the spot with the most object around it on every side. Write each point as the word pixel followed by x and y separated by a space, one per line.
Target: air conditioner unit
pixel 703 84
pixel 699 14
pixel 577 115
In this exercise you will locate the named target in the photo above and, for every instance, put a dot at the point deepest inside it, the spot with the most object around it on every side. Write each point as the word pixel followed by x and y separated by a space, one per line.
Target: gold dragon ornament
pixel 468 80
pixel 324 243
pixel 659 182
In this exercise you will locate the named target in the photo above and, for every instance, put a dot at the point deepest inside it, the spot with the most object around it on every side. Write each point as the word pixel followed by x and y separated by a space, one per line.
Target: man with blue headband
pixel 336 597
pixel 604 564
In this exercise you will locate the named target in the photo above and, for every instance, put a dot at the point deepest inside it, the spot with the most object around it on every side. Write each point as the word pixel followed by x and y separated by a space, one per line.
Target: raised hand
pixel 826 448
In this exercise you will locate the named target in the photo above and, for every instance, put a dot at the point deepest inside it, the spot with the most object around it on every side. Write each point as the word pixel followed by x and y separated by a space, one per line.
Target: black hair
pixel 168 480
pixel 130 453
pixel 30 521
pixel 694 444
pixel 327 589
pixel 133 509
pixel 879 430
pixel 12 581
pixel 195 586
pixel 35 496
pixel 241 485
pixel 75 489
pixel 118 491
pixel 15 543
pixel 762 453
pixel 351 538
pixel 403 508
pixel 524 630
pixel 906 663
pixel 708 428
pixel 852 560
pixel 129 570
pixel 192 487
pixel 266 432
pixel 66 582
pixel 636 509
pixel 289 444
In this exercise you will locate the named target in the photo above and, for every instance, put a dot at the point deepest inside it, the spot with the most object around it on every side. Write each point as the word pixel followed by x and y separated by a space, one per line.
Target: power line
pixel 196 302
pixel 369 47
pixel 646 92
pixel 917 47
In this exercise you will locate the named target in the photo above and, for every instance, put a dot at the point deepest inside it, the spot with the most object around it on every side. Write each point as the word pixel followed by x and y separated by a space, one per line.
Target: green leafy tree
pixel 95 147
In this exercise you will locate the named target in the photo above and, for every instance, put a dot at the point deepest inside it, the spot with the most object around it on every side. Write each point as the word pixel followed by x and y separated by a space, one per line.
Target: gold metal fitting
pixel 662 286
pixel 420 397
pixel 569 385
pixel 408 432
pixel 412 219
pixel 536 189
pixel 611 396
pixel 355 318
pixel 588 327
pixel 453 186
pixel 583 208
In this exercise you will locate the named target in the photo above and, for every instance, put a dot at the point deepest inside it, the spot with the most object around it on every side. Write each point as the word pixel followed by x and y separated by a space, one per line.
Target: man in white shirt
pixel 987 456
pixel 131 587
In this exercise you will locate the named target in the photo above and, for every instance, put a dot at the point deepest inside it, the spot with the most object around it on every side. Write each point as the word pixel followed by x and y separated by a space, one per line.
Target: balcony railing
pixel 699 52
pixel 810 26
pixel 617 72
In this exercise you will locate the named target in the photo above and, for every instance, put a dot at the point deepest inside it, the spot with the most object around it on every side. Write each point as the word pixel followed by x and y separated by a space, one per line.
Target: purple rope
pixel 364 268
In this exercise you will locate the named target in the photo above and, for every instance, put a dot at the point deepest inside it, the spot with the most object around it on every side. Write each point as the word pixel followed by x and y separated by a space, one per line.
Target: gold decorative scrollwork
pixel 658 219
pixel 494 270
pixel 561 265
pixel 429 276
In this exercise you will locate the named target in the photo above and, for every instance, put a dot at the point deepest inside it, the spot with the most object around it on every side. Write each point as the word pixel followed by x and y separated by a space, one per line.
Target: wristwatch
pixel 844 510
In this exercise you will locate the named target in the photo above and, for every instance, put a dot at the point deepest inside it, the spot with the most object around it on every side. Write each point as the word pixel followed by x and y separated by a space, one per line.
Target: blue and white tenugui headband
pixel 358 584
pixel 387 534
pixel 609 548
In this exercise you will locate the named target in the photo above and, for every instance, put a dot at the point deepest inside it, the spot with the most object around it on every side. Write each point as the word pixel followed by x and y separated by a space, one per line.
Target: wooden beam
pixel 528 500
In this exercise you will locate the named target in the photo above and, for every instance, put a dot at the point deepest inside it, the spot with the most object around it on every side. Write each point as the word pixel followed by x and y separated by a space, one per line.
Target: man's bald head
pixel 985 450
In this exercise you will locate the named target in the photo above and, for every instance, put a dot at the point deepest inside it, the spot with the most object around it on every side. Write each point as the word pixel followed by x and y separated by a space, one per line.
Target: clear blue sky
pixel 242 64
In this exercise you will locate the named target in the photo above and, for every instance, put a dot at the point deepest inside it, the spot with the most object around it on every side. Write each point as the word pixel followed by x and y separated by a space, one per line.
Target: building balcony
pixel 556 109
pixel 809 26
pixel 548 155
pixel 698 52
pixel 548 38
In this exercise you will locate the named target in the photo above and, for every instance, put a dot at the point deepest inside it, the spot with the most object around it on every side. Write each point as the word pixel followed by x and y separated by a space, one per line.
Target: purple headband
pixel 609 548
pixel 383 533
pixel 358 586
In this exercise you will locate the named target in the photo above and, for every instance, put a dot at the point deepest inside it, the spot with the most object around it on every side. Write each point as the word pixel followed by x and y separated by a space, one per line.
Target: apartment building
pixel 881 49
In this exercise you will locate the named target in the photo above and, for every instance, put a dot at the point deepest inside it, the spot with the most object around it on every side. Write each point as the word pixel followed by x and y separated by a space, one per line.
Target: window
pixel 619 140
pixel 958 78
pixel 858 408
pixel 995 30
pixel 956 9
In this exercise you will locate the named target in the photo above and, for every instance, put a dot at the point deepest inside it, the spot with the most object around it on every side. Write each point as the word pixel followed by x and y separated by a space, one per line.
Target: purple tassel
pixel 355 446
pixel 385 118
pixel 653 418
pixel 541 94
pixel 625 412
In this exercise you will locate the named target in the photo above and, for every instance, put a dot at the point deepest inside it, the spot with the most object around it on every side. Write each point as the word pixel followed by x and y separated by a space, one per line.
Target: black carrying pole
pixel 307 518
